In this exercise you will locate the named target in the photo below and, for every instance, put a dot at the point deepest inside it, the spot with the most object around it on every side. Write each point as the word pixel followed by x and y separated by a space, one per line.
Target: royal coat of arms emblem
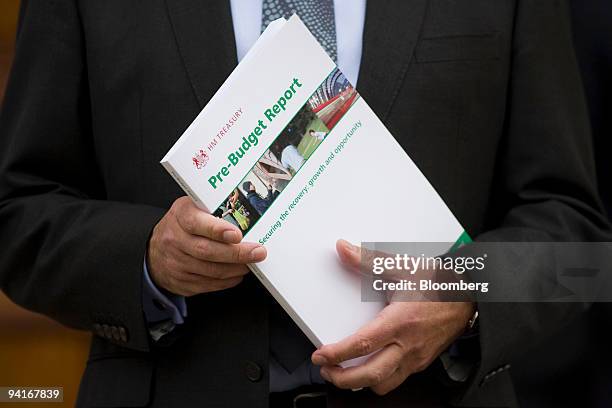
pixel 200 159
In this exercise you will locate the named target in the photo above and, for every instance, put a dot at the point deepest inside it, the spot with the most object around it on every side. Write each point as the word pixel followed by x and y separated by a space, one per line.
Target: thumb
pixel 359 259
pixel 349 254
pixel 362 260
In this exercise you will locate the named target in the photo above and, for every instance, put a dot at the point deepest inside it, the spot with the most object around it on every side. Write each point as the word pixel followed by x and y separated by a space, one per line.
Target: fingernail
pixel 258 253
pixel 318 359
pixel 353 248
pixel 325 374
pixel 231 236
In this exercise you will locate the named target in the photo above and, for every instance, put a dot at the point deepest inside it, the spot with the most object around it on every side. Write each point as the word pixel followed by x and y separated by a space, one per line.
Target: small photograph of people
pixel 260 196
pixel 238 210
pixel 271 170
pixel 333 99
pixel 298 140
pixel 256 192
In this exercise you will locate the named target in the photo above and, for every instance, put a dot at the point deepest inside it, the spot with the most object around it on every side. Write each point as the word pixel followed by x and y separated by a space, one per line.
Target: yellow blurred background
pixel 34 350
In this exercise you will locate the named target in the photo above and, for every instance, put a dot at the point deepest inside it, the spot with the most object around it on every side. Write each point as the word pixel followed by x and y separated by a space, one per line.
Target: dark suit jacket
pixel 483 94
pixel 593 39
pixel 577 359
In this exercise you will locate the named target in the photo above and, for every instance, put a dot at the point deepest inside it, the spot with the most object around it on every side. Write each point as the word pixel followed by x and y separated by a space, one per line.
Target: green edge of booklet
pixel 464 239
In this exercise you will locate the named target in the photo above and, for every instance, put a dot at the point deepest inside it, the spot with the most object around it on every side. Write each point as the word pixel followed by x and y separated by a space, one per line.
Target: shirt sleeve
pixel 162 311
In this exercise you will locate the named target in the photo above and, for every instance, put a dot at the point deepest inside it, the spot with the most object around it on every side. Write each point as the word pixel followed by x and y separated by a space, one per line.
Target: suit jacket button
pixel 123 334
pixel 253 371
pixel 115 333
pixel 106 330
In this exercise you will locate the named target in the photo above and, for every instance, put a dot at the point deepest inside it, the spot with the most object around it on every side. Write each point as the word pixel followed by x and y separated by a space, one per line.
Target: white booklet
pixel 290 153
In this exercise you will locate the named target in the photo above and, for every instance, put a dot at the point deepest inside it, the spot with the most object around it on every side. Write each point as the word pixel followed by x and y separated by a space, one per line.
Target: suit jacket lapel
pixel 391 32
pixel 206 42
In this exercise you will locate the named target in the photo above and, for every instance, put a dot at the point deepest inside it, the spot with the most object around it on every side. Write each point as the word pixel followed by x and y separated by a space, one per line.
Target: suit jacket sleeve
pixel 67 251
pixel 545 181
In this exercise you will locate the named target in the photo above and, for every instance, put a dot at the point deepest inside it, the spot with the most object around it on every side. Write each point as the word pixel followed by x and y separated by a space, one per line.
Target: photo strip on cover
pixel 296 143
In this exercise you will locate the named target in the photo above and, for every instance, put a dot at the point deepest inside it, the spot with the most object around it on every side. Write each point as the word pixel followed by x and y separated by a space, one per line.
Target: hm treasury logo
pixel 200 159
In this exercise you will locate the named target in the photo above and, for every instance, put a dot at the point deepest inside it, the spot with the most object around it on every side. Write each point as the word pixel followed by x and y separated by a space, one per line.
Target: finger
pixel 370 338
pixel 197 222
pixel 213 251
pixel 356 257
pixel 215 285
pixel 349 254
pixel 374 371
pixel 395 380
pixel 196 270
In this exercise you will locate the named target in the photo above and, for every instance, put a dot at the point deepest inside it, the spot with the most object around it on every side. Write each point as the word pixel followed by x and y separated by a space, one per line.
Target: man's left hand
pixel 406 338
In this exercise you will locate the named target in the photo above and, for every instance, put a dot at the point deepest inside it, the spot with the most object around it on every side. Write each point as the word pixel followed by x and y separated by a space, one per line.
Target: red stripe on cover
pixel 338 115
pixel 324 104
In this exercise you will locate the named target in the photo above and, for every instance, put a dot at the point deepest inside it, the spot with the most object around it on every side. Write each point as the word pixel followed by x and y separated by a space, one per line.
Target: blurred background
pixel 572 369
pixel 34 350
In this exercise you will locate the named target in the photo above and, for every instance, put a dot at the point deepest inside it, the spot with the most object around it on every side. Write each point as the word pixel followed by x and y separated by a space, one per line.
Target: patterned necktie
pixel 317 15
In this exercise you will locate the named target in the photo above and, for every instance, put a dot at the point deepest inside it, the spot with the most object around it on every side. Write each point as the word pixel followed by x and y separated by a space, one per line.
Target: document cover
pixel 289 152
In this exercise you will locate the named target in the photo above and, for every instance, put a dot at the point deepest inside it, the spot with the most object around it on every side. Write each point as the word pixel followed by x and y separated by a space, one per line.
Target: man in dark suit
pixel 484 95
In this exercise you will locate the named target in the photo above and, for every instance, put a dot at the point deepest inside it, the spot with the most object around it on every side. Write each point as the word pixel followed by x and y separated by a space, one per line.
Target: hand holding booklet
pixel 289 152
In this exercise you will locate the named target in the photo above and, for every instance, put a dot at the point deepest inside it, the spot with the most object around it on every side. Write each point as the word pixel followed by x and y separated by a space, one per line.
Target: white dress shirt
pixel 349 16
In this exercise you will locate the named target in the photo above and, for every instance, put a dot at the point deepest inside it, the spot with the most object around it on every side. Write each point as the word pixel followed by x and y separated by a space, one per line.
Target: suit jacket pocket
pixel 116 382
pixel 459 48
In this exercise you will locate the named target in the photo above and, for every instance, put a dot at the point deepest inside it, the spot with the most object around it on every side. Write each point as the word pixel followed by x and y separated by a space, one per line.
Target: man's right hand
pixel 192 252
